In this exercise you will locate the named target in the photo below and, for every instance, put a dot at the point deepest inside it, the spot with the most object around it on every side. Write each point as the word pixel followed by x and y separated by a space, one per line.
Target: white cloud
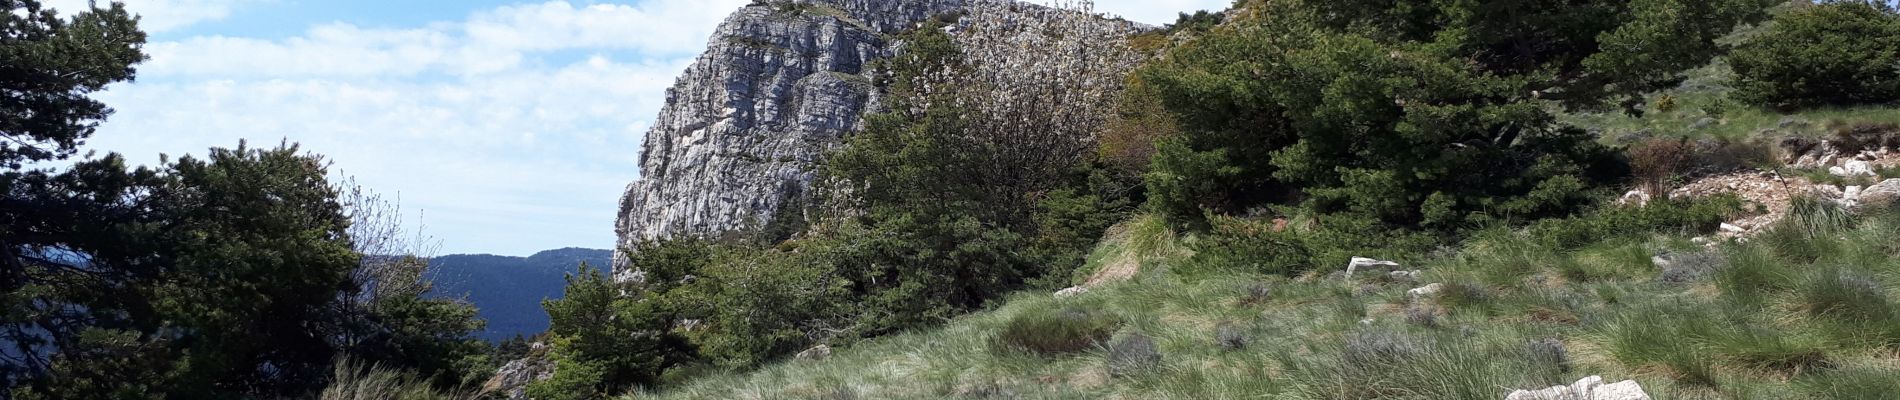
pixel 491 41
pixel 514 129
pixel 654 26
pixel 162 15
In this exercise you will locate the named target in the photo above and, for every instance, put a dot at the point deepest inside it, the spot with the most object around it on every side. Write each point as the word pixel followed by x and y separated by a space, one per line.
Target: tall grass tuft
pixel 1853 384
pixel 1810 230
pixel 1049 332
pixel 357 381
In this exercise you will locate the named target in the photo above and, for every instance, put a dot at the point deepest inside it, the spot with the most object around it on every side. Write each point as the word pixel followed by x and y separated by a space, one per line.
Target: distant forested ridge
pixel 509 290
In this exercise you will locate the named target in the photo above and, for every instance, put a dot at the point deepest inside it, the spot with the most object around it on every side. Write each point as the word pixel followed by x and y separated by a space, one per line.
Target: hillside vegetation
pixel 1697 196
pixel 1806 311
pixel 1410 137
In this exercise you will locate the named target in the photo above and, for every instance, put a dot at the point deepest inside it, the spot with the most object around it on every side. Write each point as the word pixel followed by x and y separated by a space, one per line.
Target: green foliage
pixel 1835 53
pixel 1660 216
pixel 1052 331
pixel 230 276
pixel 1199 21
pixel 1518 309
pixel 572 380
pixel 1411 116
pixel 1370 126
pixel 953 216
pixel 762 304
pixel 49 66
pixel 610 337
pixel 1583 52
pixel 217 266
pixel 429 336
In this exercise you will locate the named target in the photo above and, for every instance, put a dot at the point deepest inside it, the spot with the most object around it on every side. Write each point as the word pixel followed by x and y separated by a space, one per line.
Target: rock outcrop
pixel 511 380
pixel 780 84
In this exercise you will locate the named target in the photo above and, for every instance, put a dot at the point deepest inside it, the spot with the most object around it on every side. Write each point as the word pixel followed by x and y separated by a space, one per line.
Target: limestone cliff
pixel 780 83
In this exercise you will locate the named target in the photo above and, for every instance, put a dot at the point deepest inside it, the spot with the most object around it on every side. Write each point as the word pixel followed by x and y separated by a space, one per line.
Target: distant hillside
pixel 509 290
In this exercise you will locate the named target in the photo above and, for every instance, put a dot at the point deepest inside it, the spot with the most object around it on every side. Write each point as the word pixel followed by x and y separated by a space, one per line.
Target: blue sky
pixel 504 127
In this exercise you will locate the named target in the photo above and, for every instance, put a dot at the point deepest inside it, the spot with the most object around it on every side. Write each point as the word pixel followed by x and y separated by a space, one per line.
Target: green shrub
pixel 1836 53
pixel 1414 113
pixel 1659 216
pixel 1056 331
pixel 1244 245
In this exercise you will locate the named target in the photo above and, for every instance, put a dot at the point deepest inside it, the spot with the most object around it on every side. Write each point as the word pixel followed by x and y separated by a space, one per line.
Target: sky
pixel 502 126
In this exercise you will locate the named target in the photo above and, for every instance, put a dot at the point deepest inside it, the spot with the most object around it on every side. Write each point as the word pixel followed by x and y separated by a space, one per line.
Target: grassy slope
pixel 1791 315
pixel 1806 311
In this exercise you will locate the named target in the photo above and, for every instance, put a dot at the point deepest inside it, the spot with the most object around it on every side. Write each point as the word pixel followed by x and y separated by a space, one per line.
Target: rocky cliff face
pixel 745 126
pixel 780 83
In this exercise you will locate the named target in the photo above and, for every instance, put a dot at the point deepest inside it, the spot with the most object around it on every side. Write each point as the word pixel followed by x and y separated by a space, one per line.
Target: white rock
pixel 1584 386
pixel 1071 292
pixel 1588 388
pixel 1634 198
pixel 1425 291
pixel 816 353
pixel 630 277
pixel 1883 194
pixel 1625 390
pixel 1732 228
pixel 1549 393
pixel 1369 265
pixel 1852 168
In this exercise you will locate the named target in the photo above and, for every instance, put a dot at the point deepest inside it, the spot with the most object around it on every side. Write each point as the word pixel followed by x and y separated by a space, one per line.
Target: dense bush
pixel 241 274
pixel 1835 53
pixel 758 305
pixel 609 336
pixel 1417 115
pixel 1056 331
pixel 1659 216
pixel 964 197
